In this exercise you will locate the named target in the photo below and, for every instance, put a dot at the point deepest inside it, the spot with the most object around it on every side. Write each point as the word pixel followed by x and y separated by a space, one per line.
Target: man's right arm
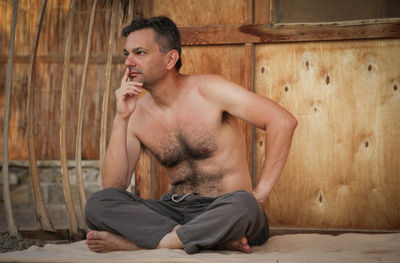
pixel 122 154
pixel 123 149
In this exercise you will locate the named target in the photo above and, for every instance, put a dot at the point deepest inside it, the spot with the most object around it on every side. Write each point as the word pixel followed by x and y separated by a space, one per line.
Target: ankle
pixel 171 240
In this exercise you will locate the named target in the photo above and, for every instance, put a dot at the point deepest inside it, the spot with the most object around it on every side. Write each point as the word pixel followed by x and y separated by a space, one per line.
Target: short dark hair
pixel 167 34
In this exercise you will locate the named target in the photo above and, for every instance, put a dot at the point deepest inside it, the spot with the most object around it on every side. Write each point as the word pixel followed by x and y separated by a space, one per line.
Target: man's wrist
pixel 262 190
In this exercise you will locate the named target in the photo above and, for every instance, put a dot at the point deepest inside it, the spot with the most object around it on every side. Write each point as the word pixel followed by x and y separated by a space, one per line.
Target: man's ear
pixel 171 58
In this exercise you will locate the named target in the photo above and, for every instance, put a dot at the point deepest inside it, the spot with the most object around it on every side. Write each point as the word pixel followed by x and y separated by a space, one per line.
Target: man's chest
pixel 187 136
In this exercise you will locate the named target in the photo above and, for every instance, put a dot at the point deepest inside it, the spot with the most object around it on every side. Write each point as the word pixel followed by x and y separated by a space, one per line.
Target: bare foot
pixel 102 242
pixel 237 245
pixel 171 240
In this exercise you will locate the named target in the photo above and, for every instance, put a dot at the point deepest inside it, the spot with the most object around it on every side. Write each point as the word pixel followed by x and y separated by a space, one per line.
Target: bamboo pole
pixel 104 109
pixel 78 146
pixel 130 11
pixel 12 228
pixel 41 212
pixel 73 219
pixel 130 17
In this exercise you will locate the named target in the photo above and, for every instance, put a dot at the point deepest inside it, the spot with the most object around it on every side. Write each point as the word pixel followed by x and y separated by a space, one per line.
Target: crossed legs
pixel 106 237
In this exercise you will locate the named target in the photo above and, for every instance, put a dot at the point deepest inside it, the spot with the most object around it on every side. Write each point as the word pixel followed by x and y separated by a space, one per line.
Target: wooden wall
pixel 343 171
pixel 49 74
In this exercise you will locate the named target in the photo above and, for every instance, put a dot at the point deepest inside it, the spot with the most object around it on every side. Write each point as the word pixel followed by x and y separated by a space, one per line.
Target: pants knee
pixel 98 204
pixel 245 204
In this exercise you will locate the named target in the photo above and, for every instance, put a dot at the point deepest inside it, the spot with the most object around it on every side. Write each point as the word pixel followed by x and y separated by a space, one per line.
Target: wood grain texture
pixel 261 11
pixel 342 171
pixel 42 215
pixel 48 79
pixel 239 34
pixel 78 144
pixel 12 228
pixel 205 12
pixel 72 216
pixel 144 171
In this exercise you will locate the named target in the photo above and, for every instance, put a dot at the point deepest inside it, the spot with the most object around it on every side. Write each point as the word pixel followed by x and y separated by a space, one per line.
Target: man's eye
pixel 140 52
pixel 126 54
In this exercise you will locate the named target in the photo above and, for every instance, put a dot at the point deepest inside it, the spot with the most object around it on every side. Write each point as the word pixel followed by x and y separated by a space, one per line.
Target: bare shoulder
pixel 219 91
pixel 206 79
pixel 211 85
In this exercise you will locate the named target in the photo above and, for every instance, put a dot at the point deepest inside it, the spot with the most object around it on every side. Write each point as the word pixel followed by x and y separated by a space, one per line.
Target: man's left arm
pixel 278 123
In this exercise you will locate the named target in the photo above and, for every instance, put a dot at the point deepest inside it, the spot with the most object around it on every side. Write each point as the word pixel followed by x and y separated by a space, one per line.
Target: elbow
pixel 288 122
pixel 112 184
pixel 113 181
pixel 292 122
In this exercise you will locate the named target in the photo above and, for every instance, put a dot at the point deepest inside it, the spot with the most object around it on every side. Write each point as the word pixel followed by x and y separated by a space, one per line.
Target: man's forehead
pixel 140 37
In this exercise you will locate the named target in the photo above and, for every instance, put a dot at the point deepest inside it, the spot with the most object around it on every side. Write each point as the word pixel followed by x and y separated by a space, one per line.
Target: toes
pixel 244 245
pixel 91 235
pixel 96 248
pixel 92 242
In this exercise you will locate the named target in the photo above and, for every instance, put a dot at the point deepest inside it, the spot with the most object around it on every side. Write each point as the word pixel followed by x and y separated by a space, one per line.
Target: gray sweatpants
pixel 207 222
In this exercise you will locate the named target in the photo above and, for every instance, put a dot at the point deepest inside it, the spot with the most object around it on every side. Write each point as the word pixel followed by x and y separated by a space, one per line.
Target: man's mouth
pixel 133 73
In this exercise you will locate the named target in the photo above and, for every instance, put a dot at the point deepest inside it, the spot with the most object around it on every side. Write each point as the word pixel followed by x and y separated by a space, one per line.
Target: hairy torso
pixel 201 147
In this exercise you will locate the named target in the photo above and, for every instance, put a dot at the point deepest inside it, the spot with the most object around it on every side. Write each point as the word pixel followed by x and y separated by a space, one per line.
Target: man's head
pixel 166 34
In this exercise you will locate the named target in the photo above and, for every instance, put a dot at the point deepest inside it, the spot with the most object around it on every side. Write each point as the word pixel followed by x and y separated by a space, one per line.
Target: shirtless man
pixel 189 124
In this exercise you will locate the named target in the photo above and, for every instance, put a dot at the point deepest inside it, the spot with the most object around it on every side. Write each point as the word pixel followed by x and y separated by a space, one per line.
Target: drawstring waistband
pixel 174 196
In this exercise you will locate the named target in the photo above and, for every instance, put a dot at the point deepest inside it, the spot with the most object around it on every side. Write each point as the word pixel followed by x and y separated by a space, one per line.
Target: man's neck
pixel 166 91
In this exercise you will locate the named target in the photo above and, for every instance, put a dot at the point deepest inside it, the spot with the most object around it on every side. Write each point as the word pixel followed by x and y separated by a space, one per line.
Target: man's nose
pixel 129 61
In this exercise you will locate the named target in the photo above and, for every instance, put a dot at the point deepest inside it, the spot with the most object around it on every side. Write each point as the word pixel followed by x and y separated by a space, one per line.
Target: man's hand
pixel 127 96
pixel 262 191
pixel 260 197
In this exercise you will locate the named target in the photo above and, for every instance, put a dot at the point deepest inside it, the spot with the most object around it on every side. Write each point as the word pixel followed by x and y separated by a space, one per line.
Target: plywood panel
pixel 342 171
pixel 205 12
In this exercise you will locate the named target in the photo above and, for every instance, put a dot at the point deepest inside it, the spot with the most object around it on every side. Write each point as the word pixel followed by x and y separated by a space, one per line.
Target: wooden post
pixel 12 228
pixel 41 212
pixel 106 96
pixel 73 220
pixel 130 11
pixel 271 13
pixel 78 146
pixel 130 18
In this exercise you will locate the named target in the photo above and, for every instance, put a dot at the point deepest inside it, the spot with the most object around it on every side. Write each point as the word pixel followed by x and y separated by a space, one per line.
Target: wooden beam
pixel 59 58
pixel 279 33
pixel 256 34
pixel 42 215
pixel 78 145
pixel 12 228
pixel 73 219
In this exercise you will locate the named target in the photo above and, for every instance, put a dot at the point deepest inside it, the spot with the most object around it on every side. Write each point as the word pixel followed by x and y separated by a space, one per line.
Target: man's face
pixel 143 57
